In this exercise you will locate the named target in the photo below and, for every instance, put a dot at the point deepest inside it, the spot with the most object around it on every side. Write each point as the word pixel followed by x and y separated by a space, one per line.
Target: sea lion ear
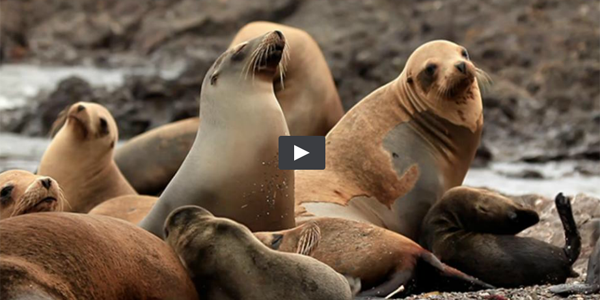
pixel 309 238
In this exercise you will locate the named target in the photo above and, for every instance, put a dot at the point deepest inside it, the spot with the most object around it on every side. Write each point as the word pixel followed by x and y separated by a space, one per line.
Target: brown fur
pixel 80 157
pixel 474 230
pixel 131 208
pixel 24 192
pixel 361 250
pixel 76 256
pixel 361 166
pixel 226 261
pixel 308 98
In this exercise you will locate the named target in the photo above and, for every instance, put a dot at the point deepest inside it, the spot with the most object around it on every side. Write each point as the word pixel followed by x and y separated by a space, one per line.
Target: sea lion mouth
pixel 79 124
pixel 270 56
pixel 45 204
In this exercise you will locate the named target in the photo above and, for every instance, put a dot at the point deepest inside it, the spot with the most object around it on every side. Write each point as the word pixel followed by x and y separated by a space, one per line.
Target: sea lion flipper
pixel 572 238
pixel 453 279
pixel 309 238
pixel 398 279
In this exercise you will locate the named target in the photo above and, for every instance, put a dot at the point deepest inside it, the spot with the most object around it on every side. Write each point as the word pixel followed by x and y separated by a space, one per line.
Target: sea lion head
pixel 441 77
pixel 193 232
pixel 255 61
pixel 23 192
pixel 302 239
pixel 90 125
pixel 482 210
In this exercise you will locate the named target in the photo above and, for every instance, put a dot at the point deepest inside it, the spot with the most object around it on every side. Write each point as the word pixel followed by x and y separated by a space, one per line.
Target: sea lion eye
pixel 277 239
pixel 430 69
pixel 465 54
pixel 103 126
pixel 5 193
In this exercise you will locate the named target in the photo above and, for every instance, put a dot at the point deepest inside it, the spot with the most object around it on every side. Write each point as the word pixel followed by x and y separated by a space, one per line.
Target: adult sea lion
pixel 396 152
pixel 232 169
pixel 22 192
pixel 80 157
pixel 474 231
pixel 382 259
pixel 132 208
pixel 307 95
pixel 226 261
pixel 592 281
pixel 78 256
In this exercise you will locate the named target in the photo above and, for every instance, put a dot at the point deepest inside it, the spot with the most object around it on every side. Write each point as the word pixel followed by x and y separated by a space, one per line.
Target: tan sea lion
pixel 22 192
pixel 80 157
pixel 474 231
pixel 307 95
pixel 226 261
pixel 131 208
pixel 382 259
pixel 399 149
pixel 232 169
pixel 78 256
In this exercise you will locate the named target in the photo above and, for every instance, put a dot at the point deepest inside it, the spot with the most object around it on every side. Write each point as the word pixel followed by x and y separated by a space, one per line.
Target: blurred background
pixel 145 61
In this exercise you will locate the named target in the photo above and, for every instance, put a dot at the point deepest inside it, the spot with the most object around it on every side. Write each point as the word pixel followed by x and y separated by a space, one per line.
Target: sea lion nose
pixel 47 183
pixel 279 34
pixel 80 107
pixel 461 67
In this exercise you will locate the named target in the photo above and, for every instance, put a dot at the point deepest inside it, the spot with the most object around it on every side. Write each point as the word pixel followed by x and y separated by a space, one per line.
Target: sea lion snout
pixel 46 182
pixel 461 67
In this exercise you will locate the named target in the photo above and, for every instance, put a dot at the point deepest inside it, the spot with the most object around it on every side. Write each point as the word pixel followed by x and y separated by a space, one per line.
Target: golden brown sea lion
pixel 399 149
pixel 474 231
pixel 308 98
pixel 382 259
pixel 226 261
pixel 132 208
pixel 80 157
pixel 22 192
pixel 232 169
pixel 77 256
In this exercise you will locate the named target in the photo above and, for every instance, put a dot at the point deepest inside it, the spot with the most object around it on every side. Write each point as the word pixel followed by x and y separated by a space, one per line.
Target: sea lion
pixel 131 208
pixel 592 281
pixel 232 169
pixel 60 255
pixel 382 259
pixel 80 157
pixel 396 152
pixel 226 261
pixel 22 192
pixel 307 95
pixel 474 231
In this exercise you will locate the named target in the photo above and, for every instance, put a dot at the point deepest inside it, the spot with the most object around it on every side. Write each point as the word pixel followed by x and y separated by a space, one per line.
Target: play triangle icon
pixel 299 153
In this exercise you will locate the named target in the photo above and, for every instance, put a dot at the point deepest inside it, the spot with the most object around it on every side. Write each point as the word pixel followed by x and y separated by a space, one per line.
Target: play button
pixel 301 152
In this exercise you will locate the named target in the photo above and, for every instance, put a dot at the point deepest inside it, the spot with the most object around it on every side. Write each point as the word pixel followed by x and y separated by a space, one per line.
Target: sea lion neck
pixel 438 225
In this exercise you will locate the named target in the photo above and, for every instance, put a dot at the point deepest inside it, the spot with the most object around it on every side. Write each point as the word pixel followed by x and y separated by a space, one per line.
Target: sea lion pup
pixel 79 256
pixel 399 149
pixel 131 208
pixel 80 157
pixel 226 261
pixel 382 259
pixel 232 169
pixel 22 192
pixel 592 281
pixel 307 95
pixel 474 231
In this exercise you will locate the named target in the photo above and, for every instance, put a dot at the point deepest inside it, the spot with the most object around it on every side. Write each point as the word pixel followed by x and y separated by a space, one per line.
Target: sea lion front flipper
pixel 398 279
pixel 572 238
pixel 569 289
pixel 309 238
pixel 448 278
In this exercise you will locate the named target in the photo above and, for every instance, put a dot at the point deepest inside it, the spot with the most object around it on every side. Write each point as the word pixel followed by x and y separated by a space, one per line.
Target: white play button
pixel 299 153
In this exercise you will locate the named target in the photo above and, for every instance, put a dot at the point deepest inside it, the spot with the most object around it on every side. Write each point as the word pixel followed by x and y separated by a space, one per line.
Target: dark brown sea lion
pixel 80 157
pixel 232 169
pixel 226 261
pixel 78 256
pixel 382 259
pixel 474 231
pixel 307 95
pixel 396 152
pixel 22 192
